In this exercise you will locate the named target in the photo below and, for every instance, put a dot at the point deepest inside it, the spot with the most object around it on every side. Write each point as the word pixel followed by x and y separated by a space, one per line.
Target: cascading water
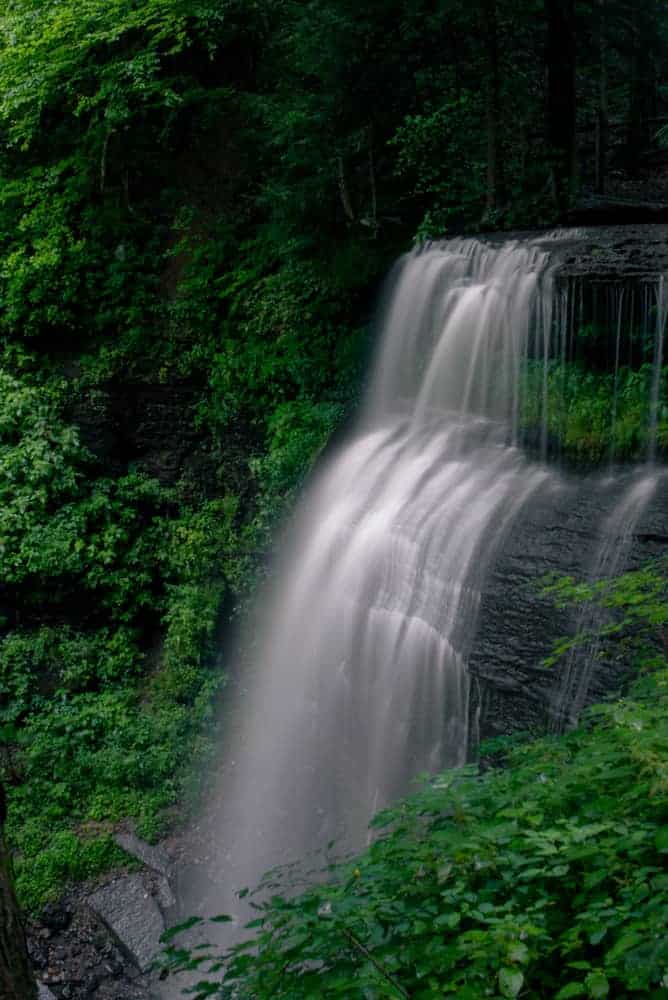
pixel 358 679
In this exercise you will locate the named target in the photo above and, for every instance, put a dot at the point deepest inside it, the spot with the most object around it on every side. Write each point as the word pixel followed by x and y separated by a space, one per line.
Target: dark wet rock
pixel 56 916
pixel 158 871
pixel 598 211
pixel 83 961
pixel 616 252
pixel 559 533
pixel 130 911
pixel 154 427
pixel 609 253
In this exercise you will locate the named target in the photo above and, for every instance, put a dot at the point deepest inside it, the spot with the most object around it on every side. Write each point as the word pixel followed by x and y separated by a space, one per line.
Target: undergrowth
pixel 592 416
pixel 112 600
pixel 544 877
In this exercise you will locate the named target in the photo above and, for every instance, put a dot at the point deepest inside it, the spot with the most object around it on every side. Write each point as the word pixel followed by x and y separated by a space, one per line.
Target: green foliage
pixel 95 743
pixel 207 193
pixel 94 103
pixel 85 736
pixel 63 858
pixel 452 188
pixel 97 535
pixel 96 724
pixel 297 432
pixel 637 606
pixel 590 415
pixel 546 877
pixel 200 551
pixel 287 338
pixel 59 662
pixel 106 64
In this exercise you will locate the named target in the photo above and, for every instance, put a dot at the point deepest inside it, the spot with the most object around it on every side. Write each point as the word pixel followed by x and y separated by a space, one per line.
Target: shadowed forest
pixel 199 203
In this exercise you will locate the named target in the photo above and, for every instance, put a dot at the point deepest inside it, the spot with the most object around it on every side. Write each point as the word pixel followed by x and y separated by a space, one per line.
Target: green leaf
pixel 570 990
pixel 597 985
pixel 626 942
pixel 510 982
pixel 174 932
pixel 519 953
pixel 661 840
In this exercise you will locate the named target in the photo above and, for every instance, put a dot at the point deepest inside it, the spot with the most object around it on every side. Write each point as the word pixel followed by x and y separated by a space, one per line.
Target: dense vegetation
pixel 593 416
pixel 544 876
pixel 200 197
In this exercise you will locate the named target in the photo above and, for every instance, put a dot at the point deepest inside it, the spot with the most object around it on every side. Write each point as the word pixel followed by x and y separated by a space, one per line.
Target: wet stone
pixel 129 910
pixel 56 917
pixel 154 857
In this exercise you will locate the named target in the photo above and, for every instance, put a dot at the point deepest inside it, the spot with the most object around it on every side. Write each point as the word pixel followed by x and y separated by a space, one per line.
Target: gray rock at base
pixel 131 913
pixel 153 857
pixel 163 893
pixel 44 993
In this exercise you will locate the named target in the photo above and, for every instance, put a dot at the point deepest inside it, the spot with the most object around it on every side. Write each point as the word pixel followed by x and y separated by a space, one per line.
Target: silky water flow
pixel 357 681
pixel 354 678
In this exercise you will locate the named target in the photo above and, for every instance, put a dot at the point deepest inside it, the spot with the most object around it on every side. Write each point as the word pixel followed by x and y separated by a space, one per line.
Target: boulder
pixel 154 857
pixel 127 907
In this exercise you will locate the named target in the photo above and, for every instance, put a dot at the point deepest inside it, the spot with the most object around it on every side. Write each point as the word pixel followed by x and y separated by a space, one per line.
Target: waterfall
pixel 359 680
pixel 661 317
pixel 358 676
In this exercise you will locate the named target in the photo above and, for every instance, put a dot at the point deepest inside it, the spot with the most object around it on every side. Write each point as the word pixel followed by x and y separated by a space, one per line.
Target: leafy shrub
pixel 86 734
pixel 98 723
pixel 546 877
pixel 297 433
pixel 288 338
pixel 589 415
pixel 64 858
pixel 453 182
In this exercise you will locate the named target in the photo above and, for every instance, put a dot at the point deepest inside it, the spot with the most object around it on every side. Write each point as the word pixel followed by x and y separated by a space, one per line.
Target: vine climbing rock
pixel 16 979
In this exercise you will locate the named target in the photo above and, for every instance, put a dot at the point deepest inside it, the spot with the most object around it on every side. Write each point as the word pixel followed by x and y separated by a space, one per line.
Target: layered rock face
pixel 561 534
pixel 613 278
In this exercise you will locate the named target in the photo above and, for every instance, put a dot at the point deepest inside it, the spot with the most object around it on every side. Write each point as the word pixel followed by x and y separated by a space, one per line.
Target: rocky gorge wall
pixel 606 272
pixel 559 534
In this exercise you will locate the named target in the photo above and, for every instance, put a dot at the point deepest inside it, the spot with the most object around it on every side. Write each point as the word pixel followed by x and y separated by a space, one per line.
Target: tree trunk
pixel 603 123
pixel 645 76
pixel 16 979
pixel 372 182
pixel 493 101
pixel 561 98
pixel 634 136
pixel 343 192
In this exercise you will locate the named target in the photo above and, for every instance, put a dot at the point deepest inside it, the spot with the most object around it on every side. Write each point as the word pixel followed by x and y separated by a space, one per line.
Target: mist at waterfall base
pixel 357 679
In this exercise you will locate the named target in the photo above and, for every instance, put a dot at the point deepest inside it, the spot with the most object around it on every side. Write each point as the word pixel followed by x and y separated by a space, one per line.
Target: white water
pixel 659 335
pixel 359 681
pixel 358 675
